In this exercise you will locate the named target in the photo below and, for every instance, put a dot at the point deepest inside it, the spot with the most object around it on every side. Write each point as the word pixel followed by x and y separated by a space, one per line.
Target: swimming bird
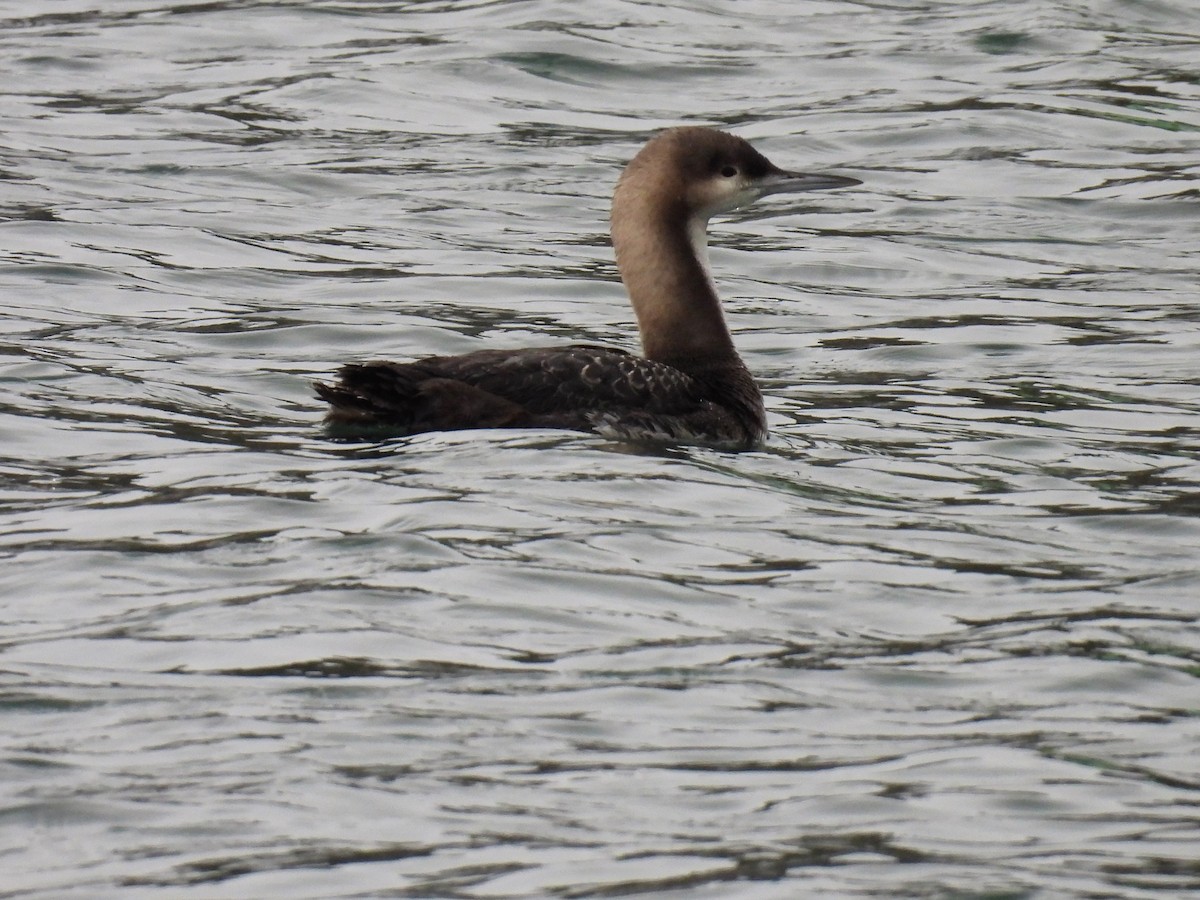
pixel 689 385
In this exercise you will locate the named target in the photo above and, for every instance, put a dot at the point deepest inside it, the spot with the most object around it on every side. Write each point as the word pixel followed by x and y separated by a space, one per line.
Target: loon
pixel 689 386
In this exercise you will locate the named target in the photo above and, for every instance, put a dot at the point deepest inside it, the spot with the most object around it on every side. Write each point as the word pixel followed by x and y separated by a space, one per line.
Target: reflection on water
pixel 938 639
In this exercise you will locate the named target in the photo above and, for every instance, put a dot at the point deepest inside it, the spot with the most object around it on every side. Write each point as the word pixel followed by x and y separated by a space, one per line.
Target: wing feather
pixel 575 377
pixel 581 387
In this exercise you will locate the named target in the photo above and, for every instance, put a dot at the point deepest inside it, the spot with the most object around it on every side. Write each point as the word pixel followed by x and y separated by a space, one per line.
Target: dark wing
pixel 575 377
pixel 580 387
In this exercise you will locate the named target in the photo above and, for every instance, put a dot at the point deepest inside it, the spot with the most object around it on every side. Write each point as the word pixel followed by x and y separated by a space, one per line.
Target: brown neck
pixel 669 286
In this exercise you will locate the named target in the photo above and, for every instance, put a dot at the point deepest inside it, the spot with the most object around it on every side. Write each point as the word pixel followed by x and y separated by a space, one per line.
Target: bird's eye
pixel 729 171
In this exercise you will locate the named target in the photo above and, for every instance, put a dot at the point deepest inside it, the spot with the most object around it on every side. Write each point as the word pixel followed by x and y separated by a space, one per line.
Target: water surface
pixel 938 638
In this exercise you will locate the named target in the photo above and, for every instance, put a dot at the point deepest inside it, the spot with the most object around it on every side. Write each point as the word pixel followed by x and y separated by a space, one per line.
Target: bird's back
pixel 580 387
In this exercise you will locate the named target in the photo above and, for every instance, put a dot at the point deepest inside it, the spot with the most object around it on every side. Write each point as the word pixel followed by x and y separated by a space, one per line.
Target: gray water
pixel 939 638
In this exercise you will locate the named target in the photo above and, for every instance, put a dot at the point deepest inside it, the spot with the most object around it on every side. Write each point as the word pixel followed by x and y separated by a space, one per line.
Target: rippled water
pixel 940 638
